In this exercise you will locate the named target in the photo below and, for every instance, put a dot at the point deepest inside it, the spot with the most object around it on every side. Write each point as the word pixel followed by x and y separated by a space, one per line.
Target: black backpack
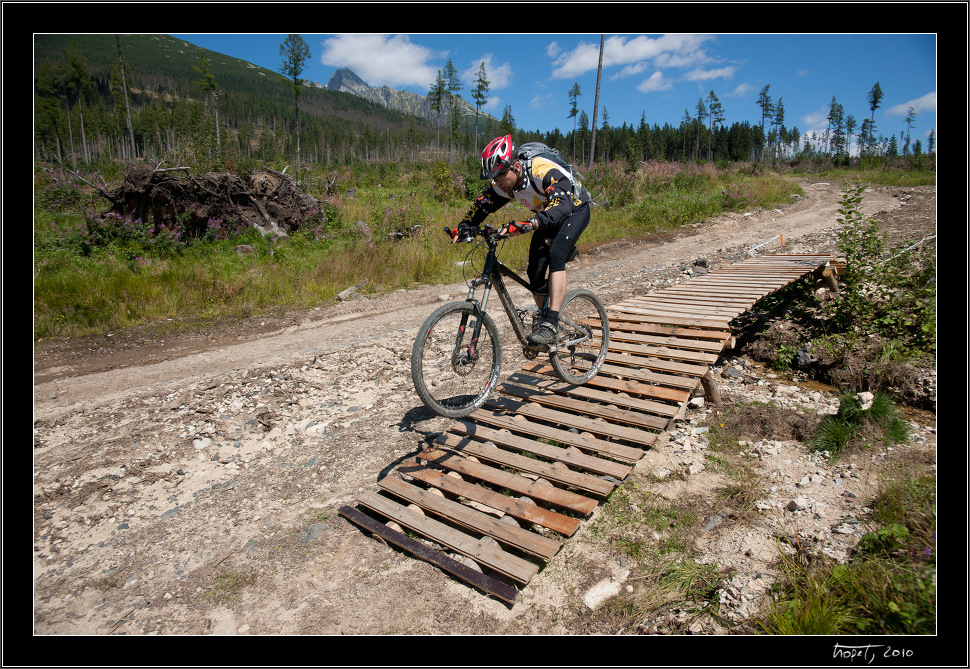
pixel 530 150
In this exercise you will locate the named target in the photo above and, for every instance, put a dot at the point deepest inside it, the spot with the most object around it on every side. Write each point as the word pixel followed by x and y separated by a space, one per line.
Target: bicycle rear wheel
pixel 453 374
pixel 581 317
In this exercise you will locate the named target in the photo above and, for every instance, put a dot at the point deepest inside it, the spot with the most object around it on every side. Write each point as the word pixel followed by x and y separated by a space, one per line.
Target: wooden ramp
pixel 508 485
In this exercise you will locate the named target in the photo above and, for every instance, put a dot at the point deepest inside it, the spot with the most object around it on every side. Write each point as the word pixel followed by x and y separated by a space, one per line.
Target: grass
pixel 887 587
pixel 229 584
pixel 859 424
pixel 657 534
pixel 83 288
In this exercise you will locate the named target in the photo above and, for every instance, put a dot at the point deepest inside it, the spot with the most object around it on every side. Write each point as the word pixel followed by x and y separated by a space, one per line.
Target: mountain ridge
pixel 405 102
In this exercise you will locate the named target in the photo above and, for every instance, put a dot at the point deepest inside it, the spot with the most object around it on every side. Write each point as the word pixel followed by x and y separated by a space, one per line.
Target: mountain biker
pixel 561 215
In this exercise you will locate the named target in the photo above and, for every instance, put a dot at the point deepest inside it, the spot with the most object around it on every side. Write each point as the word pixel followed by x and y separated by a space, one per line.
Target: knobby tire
pixel 452 378
pixel 580 364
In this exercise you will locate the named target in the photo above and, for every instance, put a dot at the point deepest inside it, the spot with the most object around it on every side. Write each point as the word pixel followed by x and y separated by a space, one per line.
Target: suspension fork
pixel 480 307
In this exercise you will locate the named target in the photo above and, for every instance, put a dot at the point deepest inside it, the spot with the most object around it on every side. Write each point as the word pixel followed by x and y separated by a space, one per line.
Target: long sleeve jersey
pixel 544 189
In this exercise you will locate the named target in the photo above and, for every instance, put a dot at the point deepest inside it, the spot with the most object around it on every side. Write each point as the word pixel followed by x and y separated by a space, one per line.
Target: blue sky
pixel 661 76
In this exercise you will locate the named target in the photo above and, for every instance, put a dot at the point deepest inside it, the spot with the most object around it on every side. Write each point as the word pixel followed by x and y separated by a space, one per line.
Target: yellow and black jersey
pixel 544 189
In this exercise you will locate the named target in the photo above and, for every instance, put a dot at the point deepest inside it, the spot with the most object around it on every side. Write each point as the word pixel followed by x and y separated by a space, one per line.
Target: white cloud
pixel 391 60
pixel 619 50
pixel 655 82
pixel 499 76
pixel 926 103
pixel 541 101
pixel 742 90
pixel 816 121
pixel 700 74
pixel 580 60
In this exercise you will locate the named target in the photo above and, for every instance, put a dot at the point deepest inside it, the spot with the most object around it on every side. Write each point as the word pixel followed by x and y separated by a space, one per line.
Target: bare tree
pixel 124 88
pixel 596 100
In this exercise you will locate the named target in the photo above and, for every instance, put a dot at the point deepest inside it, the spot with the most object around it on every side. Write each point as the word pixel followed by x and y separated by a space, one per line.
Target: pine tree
pixel 79 82
pixel 910 116
pixel 294 51
pixel 436 98
pixel 507 124
pixel 701 109
pixel 874 97
pixel 717 117
pixel 779 121
pixel 208 85
pixel 480 96
pixel 453 85
pixel 764 101
pixel 574 93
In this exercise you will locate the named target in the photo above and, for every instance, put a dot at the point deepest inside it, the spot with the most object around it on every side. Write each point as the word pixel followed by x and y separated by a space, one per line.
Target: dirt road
pixel 189 485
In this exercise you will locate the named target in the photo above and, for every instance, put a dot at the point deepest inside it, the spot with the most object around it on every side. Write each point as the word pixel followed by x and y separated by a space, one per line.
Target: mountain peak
pixel 404 102
pixel 345 79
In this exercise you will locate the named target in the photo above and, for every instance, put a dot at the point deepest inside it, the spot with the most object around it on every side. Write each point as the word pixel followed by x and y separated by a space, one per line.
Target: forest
pixel 104 99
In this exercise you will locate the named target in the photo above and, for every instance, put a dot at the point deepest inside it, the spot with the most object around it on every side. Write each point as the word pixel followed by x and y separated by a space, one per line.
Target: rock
pixel 864 401
pixel 603 590
pixel 349 293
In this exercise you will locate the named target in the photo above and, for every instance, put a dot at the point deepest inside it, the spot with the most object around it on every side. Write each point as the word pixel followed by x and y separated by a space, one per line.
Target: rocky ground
pixel 190 484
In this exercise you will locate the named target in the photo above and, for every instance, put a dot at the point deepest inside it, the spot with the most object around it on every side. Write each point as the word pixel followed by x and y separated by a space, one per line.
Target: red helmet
pixel 497 156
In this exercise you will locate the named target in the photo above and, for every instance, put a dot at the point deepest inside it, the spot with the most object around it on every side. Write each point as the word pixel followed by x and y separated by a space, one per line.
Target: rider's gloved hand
pixel 465 232
pixel 515 228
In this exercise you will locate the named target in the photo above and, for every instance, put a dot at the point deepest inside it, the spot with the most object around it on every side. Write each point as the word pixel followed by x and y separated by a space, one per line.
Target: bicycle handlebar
pixel 469 233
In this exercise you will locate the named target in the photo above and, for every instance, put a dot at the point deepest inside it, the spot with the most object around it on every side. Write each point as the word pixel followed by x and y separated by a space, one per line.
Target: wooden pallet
pixel 509 484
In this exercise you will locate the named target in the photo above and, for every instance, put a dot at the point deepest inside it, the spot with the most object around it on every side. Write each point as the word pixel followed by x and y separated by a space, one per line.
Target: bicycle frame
pixel 492 277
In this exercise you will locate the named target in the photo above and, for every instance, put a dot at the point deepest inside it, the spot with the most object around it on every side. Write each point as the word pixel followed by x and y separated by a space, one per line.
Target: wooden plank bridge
pixel 556 450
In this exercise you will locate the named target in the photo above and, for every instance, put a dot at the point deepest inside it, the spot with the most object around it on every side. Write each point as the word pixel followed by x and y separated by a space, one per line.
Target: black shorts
pixel 551 248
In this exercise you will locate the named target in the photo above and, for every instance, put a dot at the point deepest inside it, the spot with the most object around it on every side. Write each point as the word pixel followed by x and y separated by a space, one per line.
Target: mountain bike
pixel 457 355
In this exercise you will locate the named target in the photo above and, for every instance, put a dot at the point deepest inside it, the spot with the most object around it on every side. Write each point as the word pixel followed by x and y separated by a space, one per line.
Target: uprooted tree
pixel 266 200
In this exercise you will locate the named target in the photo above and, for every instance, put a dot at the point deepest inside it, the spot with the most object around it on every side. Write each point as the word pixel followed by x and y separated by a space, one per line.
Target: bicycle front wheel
pixel 453 372
pixel 584 336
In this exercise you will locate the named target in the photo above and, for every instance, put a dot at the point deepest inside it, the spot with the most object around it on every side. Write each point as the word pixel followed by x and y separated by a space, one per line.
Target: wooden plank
pixel 687 292
pixel 486 555
pixel 555 453
pixel 692 359
pixel 544 493
pixel 624 314
pixel 555 472
pixel 712 299
pixel 621 323
pixel 586 442
pixel 680 311
pixel 699 299
pixel 683 371
pixel 487 584
pixel 664 319
pixel 596 426
pixel 748 294
pixel 638 382
pixel 526 511
pixel 620 399
pixel 629 367
pixel 594 409
pixel 688 308
pixel 473 519
pixel 708 346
